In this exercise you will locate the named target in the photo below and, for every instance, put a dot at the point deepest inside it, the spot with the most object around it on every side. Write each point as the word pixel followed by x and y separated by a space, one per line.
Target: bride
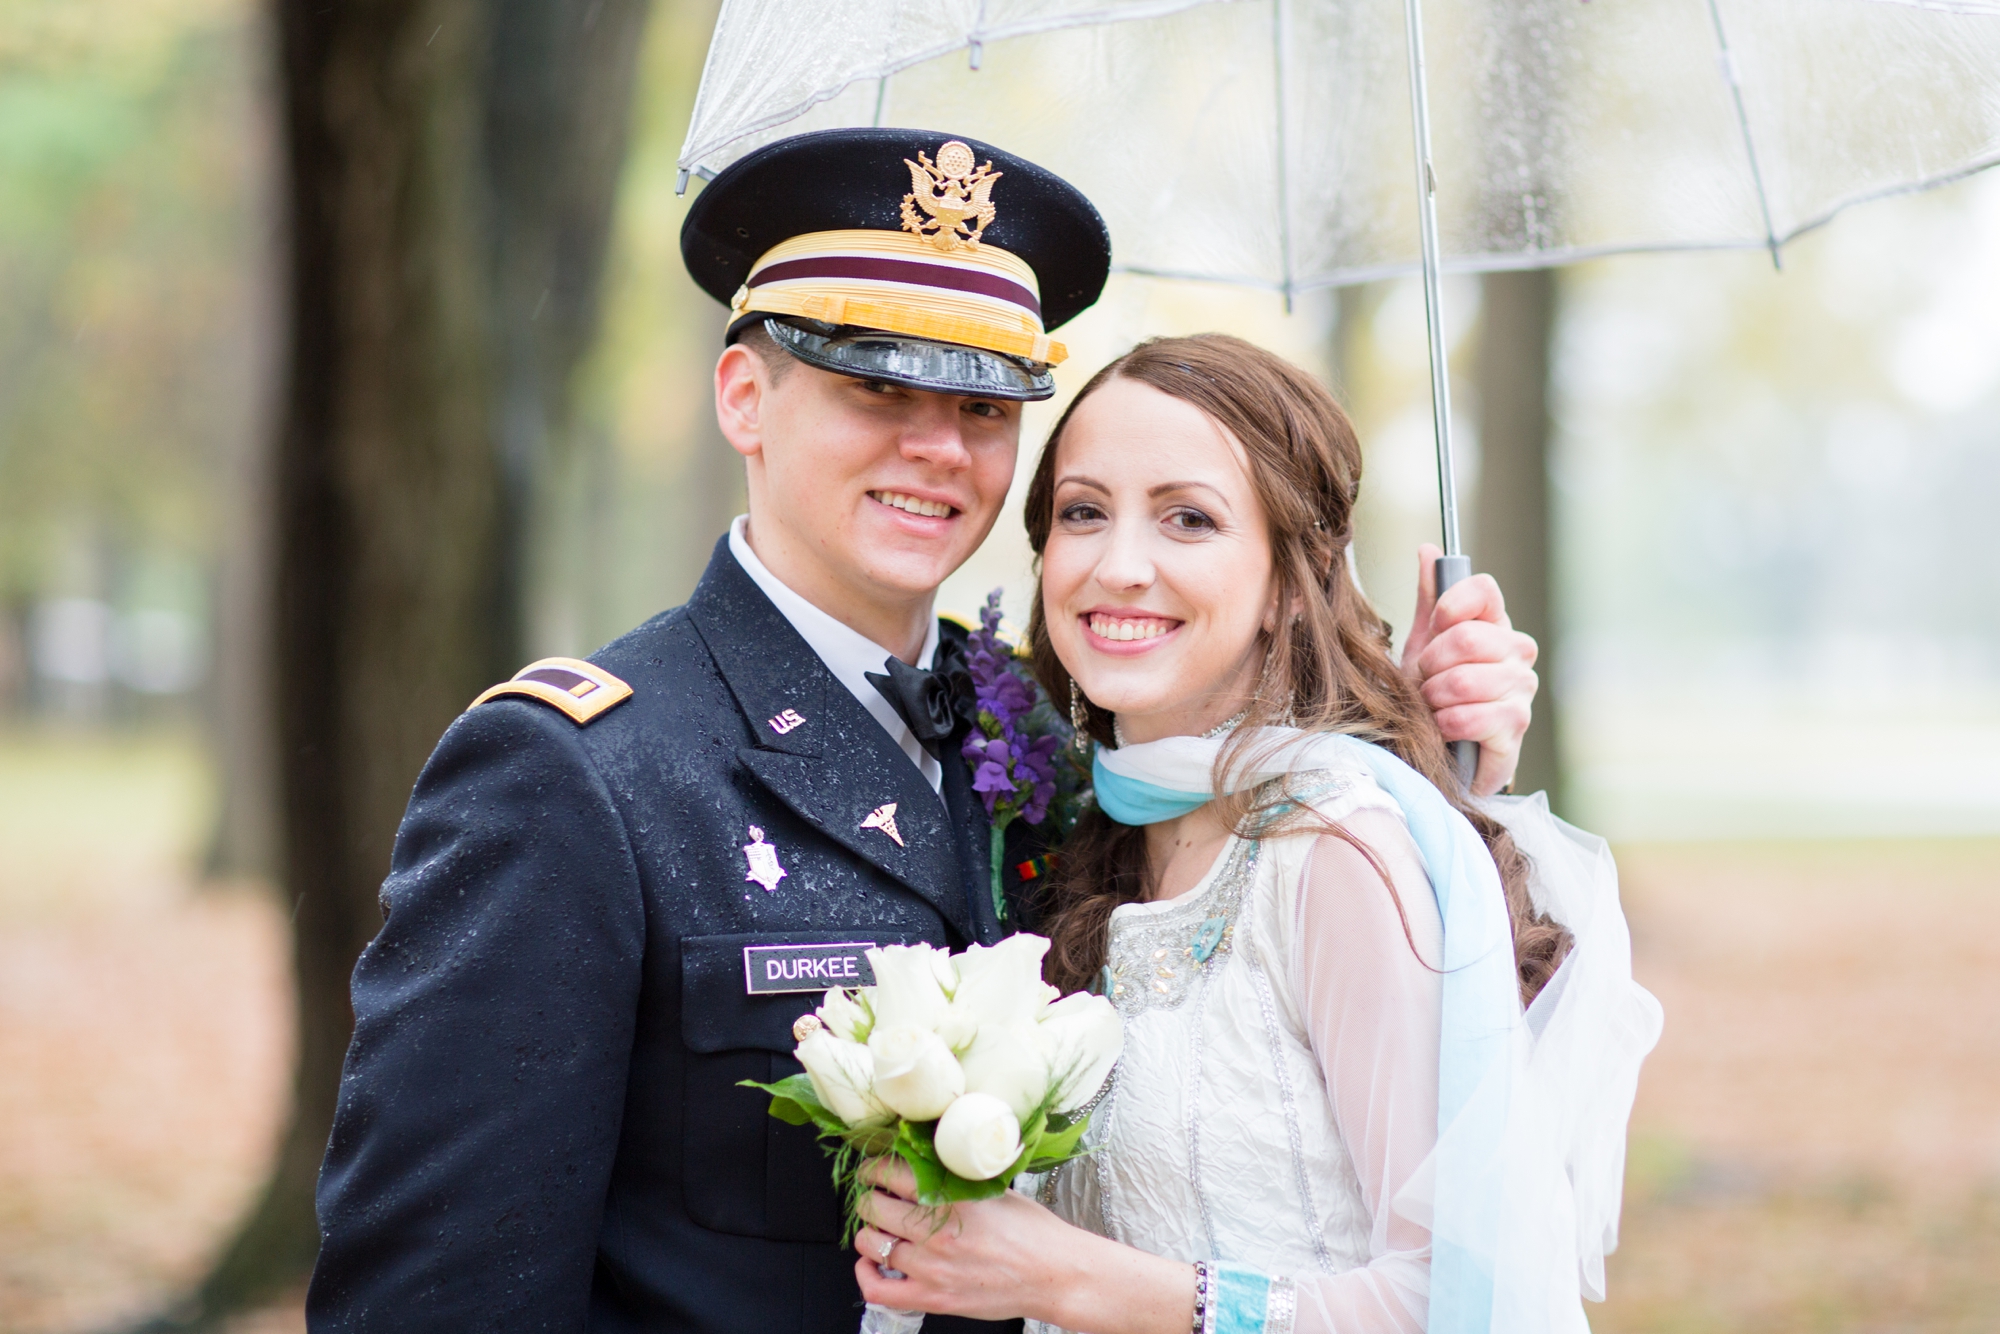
pixel 1381 1040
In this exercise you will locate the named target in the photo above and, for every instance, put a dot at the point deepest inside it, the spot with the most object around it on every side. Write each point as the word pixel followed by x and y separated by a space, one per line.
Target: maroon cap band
pixel 900 271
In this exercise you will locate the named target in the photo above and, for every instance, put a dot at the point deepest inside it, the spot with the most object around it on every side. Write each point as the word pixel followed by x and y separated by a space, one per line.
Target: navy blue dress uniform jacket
pixel 539 1124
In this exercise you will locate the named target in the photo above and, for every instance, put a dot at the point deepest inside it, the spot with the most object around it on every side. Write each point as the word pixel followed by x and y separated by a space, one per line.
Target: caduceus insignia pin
pixel 763 858
pixel 883 817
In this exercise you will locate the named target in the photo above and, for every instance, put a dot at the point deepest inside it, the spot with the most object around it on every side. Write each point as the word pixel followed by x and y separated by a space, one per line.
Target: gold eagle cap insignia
pixel 956 199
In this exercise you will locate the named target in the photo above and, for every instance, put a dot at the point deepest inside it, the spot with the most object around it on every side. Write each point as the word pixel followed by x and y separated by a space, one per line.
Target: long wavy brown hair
pixel 1327 669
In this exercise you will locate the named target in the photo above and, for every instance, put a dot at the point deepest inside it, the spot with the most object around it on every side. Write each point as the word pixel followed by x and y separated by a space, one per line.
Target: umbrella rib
pixel 1931 182
pixel 1420 128
pixel 1279 42
pixel 1728 60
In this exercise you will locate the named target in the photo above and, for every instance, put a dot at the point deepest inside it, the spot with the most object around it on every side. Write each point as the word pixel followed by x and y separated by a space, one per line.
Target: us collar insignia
pixel 884 818
pixel 763 858
pixel 953 194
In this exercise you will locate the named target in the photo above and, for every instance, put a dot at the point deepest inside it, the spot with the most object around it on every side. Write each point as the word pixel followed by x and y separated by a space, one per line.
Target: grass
pixel 1816 1148
pixel 144 1030
pixel 94 823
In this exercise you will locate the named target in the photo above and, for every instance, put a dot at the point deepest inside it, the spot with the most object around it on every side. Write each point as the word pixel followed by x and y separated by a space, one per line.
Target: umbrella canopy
pixel 1268 142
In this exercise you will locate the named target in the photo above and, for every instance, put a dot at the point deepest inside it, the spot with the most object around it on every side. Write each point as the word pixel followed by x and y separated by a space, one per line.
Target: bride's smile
pixel 1121 631
pixel 1158 561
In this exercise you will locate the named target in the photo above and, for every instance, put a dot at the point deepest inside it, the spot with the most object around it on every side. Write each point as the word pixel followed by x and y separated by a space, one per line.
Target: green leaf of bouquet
pixel 958 1188
pixel 914 1146
pixel 938 1185
pixel 872 1141
pixel 799 1088
pixel 1059 1143
pixel 795 1102
pixel 790 1112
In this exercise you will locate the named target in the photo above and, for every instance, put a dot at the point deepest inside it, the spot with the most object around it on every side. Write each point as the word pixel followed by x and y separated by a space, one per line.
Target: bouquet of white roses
pixel 968 1067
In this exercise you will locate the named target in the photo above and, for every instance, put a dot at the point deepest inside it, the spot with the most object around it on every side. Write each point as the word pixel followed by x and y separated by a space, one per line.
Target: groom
pixel 621 880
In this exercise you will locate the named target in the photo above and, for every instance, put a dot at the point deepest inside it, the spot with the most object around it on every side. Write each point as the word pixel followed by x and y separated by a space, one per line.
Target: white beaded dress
pixel 1276 1102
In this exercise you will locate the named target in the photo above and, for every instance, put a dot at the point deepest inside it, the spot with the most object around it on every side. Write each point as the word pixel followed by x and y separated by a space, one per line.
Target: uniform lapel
pixel 820 752
pixel 974 845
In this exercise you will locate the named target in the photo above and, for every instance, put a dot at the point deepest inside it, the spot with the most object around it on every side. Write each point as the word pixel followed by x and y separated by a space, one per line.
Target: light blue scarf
pixel 1158 780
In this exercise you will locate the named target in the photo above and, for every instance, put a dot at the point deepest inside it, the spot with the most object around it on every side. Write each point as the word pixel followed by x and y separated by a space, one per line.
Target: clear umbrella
pixel 1270 142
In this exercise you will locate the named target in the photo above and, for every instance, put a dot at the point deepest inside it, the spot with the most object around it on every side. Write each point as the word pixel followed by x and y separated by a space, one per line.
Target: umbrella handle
pixel 1464 754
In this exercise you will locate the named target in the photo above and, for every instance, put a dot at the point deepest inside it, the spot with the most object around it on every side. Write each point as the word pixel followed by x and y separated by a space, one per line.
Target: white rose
pixel 1002 984
pixel 916 1076
pixel 846 1017
pixel 958 1027
pixel 945 968
pixel 842 1074
pixel 907 991
pixel 978 1137
pixel 1083 1036
pixel 1009 1062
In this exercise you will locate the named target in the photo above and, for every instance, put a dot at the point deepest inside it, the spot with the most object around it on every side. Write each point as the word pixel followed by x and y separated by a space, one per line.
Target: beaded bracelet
pixel 1230 1299
pixel 1201 1282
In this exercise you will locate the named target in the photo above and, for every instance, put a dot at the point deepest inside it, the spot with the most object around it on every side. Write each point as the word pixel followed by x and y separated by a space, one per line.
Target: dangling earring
pixel 1289 718
pixel 1079 720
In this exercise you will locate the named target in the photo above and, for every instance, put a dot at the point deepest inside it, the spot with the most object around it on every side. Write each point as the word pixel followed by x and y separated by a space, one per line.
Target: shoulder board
pixel 580 689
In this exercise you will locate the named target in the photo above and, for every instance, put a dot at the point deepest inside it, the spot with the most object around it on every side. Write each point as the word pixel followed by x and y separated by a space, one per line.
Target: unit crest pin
pixel 763 858
pixel 883 817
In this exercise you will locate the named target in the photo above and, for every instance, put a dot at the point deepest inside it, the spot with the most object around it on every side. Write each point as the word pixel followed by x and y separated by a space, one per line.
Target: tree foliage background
pixel 135 326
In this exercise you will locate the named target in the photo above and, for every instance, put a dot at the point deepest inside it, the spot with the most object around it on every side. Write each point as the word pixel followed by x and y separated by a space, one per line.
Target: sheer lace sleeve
pixel 1369 999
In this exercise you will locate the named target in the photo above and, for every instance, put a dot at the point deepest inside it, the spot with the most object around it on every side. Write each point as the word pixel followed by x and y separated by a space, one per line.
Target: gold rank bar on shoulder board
pixel 580 689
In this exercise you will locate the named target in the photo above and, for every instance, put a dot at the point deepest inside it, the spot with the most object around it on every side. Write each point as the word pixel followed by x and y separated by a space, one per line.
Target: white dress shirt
pixel 847 653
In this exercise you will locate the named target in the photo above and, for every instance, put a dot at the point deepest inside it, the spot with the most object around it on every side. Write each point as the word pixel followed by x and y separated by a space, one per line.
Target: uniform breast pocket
pixel 747 1173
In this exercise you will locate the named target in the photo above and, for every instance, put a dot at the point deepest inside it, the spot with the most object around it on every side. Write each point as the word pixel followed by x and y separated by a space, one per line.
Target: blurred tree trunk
pixel 1381 559
pixel 558 105
pixel 237 698
pixel 1513 510
pixel 1527 131
pixel 450 172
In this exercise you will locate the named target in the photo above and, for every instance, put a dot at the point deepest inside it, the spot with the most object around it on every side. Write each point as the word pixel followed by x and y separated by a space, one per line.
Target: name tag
pixel 774 968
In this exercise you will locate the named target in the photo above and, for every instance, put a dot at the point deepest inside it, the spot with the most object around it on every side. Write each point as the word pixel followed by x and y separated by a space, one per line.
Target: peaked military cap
pixel 912 256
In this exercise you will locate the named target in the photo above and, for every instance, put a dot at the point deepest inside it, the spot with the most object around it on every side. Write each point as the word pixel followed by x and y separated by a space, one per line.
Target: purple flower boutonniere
pixel 1018 745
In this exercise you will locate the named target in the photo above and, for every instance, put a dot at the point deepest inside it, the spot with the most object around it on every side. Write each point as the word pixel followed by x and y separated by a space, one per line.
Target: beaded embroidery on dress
pixel 1154 965
pixel 1214 1140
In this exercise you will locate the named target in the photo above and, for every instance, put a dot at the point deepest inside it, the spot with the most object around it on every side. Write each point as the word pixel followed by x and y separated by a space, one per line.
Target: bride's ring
pixel 888 1245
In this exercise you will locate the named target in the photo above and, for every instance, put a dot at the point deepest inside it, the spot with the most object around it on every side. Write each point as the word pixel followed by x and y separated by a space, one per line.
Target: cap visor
pixel 916 363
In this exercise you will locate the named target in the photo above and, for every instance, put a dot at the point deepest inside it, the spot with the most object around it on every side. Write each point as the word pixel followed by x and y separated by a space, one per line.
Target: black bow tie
pixel 935 703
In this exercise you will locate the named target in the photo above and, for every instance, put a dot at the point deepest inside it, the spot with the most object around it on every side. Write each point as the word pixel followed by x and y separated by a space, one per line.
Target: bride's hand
pixel 988 1259
pixel 1008 1256
pixel 1476 670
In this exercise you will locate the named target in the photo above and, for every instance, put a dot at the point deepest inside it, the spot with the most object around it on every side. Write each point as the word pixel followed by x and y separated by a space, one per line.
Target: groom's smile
pixel 914 505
